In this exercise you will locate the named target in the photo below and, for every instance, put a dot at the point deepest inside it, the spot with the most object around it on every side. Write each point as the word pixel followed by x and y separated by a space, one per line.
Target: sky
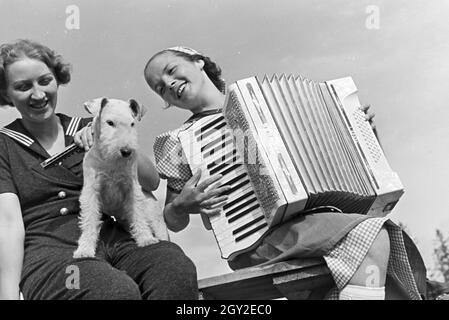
pixel 396 52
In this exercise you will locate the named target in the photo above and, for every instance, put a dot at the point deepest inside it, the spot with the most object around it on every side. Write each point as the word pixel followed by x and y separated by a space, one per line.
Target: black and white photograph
pixel 224 150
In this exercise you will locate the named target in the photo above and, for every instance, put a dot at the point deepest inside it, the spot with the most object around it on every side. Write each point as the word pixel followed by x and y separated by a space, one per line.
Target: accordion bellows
pixel 287 144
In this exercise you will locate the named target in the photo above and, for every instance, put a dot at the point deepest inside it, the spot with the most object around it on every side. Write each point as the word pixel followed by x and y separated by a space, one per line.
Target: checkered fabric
pixel 349 253
pixel 171 162
pixel 343 260
pixel 398 266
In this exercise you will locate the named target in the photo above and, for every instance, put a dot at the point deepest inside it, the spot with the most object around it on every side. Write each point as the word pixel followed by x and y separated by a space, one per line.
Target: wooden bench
pixel 294 279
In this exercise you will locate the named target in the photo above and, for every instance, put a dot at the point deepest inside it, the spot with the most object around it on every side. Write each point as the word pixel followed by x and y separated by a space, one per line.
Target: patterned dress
pixel 342 239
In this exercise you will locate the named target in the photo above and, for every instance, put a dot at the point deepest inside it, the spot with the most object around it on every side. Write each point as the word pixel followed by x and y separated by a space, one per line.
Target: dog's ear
pixel 103 103
pixel 137 109
pixel 94 106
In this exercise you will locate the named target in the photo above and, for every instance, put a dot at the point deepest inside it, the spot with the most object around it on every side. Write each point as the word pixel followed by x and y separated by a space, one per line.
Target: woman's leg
pixel 162 270
pixel 56 278
pixel 373 269
pixel 368 282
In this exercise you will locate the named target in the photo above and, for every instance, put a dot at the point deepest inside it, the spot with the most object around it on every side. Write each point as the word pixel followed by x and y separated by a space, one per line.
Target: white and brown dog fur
pixel 110 178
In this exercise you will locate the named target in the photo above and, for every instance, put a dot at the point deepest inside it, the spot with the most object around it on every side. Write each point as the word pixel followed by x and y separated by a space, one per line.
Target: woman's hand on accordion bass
pixel 369 116
pixel 203 197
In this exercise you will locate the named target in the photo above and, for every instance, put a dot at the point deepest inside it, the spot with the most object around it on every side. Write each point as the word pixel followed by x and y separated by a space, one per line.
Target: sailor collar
pixel 19 133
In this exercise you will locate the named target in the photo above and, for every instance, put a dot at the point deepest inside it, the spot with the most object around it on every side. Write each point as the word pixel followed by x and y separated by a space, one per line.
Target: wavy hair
pixel 12 52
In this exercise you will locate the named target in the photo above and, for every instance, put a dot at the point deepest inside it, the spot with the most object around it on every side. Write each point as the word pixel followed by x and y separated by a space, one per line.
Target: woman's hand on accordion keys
pixel 204 197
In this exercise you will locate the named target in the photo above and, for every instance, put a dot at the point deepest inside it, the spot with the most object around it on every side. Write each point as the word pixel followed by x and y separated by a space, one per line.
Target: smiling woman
pixel 353 245
pixel 41 88
pixel 177 75
pixel 39 207
pixel 30 76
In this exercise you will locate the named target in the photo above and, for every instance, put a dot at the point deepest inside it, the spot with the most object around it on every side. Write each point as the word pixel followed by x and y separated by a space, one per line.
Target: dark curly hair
pixel 12 52
pixel 212 69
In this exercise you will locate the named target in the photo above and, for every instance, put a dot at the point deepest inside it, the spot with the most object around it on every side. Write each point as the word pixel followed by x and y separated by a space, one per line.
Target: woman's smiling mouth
pixel 39 106
pixel 180 90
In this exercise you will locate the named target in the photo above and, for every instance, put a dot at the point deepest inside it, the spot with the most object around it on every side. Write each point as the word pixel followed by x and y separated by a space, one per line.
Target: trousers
pixel 120 270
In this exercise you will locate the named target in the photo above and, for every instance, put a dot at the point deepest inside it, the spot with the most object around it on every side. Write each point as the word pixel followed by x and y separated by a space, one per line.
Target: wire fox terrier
pixel 110 178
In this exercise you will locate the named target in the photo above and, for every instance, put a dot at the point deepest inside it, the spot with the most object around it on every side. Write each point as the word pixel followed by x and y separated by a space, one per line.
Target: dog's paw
pixel 162 234
pixel 83 253
pixel 146 241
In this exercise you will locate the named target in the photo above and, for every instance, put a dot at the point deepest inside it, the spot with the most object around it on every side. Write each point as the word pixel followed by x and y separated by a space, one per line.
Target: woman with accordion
pixel 351 244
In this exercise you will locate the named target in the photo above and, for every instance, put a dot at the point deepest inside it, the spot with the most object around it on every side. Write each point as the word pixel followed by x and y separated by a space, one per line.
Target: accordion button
pixel 63 211
pixel 62 195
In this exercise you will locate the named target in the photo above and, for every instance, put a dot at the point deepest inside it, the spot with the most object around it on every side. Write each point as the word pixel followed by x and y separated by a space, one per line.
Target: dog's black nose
pixel 125 152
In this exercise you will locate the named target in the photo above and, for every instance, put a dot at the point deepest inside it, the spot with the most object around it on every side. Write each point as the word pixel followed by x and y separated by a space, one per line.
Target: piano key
pixel 228 161
pixel 226 226
pixel 228 176
pixel 197 157
pixel 208 125
pixel 212 134
pixel 238 196
pixel 224 229
pixel 230 204
pixel 255 235
pixel 217 148
pixel 236 188
pixel 229 157
pixel 261 225
pixel 230 169
pixel 222 167
pixel 224 218
pixel 247 225
pixel 226 238
pixel 235 178
pixel 226 155
pixel 243 213
pixel 241 197
pixel 221 138
pixel 247 188
pixel 205 135
pixel 222 152
pixel 215 135
pixel 240 207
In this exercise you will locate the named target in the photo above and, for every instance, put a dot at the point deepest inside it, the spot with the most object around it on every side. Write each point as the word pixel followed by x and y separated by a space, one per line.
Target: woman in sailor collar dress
pixel 39 206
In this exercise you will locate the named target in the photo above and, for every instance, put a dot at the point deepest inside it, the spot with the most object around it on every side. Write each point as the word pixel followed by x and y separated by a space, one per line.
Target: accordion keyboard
pixel 212 150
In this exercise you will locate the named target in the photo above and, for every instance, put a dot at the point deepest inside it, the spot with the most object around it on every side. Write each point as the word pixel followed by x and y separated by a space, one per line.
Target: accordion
pixel 287 144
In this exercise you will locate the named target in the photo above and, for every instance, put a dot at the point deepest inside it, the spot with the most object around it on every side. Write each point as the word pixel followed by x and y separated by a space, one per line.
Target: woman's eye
pixel 171 70
pixel 22 87
pixel 109 122
pixel 45 82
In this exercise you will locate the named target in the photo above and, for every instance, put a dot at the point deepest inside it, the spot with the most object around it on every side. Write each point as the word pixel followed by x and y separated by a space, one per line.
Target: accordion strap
pixel 322 209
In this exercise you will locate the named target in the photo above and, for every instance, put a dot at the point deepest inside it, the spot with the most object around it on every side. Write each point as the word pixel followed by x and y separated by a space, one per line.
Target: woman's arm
pixel 147 173
pixel 12 235
pixel 203 198
pixel 175 218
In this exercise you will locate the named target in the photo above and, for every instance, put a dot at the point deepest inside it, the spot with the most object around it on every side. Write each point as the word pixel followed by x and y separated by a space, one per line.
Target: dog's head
pixel 114 126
